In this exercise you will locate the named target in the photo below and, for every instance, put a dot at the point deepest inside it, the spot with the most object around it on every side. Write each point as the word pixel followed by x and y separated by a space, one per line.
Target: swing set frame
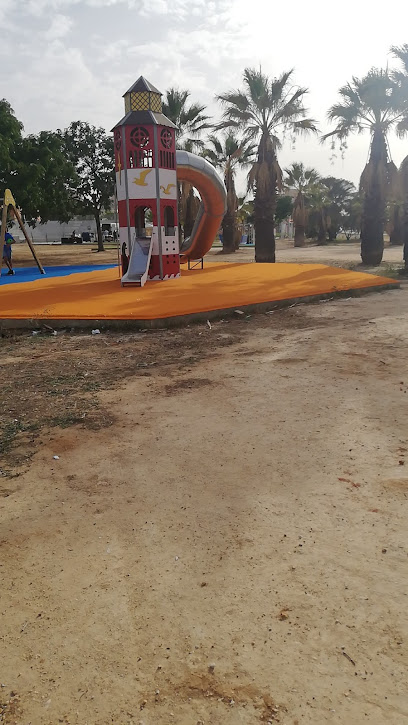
pixel 8 202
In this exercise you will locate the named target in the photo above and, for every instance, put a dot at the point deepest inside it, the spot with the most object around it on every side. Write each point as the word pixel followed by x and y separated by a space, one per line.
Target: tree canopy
pixel 264 110
pixel 190 118
pixel 36 169
pixel 377 104
pixel 90 150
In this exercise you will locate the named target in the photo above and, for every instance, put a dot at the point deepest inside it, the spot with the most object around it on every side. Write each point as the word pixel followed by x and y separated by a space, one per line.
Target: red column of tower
pixel 146 179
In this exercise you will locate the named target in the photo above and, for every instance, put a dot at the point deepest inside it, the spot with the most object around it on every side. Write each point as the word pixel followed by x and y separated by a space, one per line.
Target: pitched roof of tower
pixel 142 85
pixel 135 118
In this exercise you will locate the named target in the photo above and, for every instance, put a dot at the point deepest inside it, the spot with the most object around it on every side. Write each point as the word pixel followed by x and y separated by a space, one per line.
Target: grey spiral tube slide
pixel 203 176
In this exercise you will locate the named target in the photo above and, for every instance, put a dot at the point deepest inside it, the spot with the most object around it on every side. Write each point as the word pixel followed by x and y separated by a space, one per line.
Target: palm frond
pixel 278 85
pixel 400 52
pixel 234 98
pixel 304 126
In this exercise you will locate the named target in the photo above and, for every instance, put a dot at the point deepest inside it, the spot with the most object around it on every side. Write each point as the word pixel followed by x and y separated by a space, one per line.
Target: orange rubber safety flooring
pixel 98 295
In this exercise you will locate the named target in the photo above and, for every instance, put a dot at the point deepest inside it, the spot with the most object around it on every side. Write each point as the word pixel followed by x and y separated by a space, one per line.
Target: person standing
pixel 7 256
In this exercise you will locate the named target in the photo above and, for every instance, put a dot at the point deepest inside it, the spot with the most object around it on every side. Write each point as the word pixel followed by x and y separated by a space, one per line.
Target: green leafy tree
pixel 265 109
pixel 373 104
pixel 301 179
pixel 245 211
pixel 351 220
pixel 90 150
pixel 36 170
pixel 229 153
pixel 45 178
pixel 10 143
pixel 284 208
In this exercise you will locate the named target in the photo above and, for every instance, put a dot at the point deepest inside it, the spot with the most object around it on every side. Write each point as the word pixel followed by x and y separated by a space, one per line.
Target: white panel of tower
pixel 155 240
pixel 142 183
pixel 168 183
pixel 120 185
pixel 123 237
pixel 171 243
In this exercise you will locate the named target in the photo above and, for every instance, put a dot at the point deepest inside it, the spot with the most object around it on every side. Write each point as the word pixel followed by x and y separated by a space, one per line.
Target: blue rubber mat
pixel 30 274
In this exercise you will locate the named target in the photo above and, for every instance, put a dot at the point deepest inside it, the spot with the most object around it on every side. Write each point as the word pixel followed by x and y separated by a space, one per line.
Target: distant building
pixel 53 232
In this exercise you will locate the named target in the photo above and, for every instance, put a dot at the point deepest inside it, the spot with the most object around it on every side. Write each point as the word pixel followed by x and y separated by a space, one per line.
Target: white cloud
pixel 59 28
pixel 73 59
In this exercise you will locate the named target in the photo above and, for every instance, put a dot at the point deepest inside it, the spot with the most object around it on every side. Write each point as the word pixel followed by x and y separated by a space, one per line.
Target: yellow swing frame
pixel 7 202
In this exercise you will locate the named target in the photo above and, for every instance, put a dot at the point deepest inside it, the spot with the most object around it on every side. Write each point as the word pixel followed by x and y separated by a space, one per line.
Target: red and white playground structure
pixel 148 168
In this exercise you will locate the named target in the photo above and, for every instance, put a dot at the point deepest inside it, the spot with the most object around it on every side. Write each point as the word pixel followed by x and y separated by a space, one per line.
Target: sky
pixel 67 60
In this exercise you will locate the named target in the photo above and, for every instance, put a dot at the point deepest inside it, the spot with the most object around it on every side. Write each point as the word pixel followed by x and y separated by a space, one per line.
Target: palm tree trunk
pixel 300 240
pixel 332 233
pixel 228 241
pixel 396 225
pixel 374 203
pixel 299 219
pixel 322 230
pixel 265 203
pixel 405 233
pixel 190 215
pixel 237 236
pixel 229 222
pixel 264 230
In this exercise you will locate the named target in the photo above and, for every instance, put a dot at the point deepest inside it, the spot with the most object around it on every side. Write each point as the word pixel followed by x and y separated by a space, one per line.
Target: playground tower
pixel 146 179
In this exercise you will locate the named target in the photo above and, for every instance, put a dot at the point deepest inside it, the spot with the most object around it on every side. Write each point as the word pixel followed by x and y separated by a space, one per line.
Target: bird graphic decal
pixel 119 169
pixel 141 181
pixel 166 189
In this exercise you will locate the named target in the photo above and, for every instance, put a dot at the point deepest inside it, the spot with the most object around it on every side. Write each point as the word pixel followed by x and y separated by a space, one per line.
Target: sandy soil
pixel 340 254
pixel 231 547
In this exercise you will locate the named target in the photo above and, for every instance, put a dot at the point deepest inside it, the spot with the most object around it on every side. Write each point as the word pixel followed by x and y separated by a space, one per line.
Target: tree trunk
pixel 300 240
pixel 99 237
pixel 405 233
pixel 396 225
pixel 322 230
pixel 265 202
pixel 228 237
pixel 299 219
pixel 190 214
pixel 230 219
pixel 237 237
pixel 374 203
pixel 332 234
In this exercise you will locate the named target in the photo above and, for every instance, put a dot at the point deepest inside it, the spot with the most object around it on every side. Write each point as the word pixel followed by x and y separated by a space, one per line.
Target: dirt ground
pixel 339 254
pixel 222 538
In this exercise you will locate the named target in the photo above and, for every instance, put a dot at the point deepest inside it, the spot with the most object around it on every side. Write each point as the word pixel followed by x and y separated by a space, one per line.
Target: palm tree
pixel 301 179
pixel 375 104
pixel 400 52
pixel 340 193
pixel 264 108
pixel 228 153
pixel 400 211
pixel 395 221
pixel 318 202
pixel 191 120
pixel 403 179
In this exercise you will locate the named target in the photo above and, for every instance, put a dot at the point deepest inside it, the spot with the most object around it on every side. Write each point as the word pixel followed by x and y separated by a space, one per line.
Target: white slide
pixel 139 262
